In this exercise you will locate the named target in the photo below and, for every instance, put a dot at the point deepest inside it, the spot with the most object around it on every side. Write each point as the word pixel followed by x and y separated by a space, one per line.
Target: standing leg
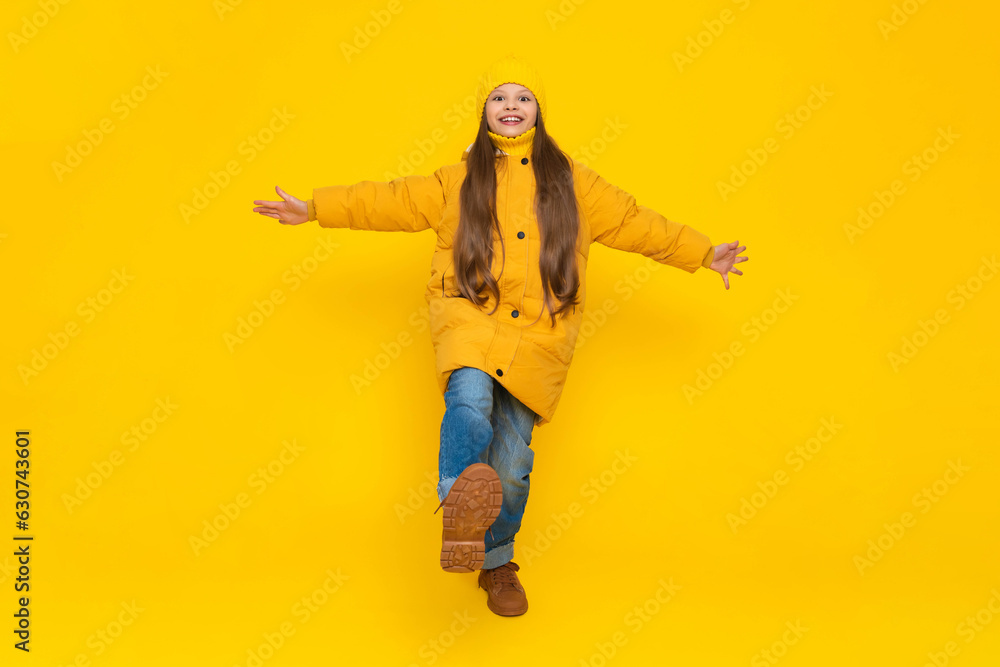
pixel 512 458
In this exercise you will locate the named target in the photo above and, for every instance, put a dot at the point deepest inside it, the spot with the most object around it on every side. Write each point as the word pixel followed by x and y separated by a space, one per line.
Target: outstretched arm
pixel 408 204
pixel 617 221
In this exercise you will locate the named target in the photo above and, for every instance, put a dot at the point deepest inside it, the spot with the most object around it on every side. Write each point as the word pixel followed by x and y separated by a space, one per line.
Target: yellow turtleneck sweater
pixel 519 145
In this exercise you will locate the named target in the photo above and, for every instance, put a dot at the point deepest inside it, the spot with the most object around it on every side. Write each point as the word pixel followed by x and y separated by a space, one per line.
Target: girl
pixel 514 221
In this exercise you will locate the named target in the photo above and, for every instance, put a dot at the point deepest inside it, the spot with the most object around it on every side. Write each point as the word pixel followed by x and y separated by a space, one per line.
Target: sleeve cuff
pixel 311 209
pixel 709 258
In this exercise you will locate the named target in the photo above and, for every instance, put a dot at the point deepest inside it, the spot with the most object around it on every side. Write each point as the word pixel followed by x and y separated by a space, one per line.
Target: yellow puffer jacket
pixel 516 345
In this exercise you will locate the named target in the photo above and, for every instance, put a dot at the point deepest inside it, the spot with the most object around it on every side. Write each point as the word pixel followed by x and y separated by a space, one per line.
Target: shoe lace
pixel 505 575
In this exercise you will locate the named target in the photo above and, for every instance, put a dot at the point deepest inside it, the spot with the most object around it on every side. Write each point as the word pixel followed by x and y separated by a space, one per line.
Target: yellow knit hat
pixel 511 69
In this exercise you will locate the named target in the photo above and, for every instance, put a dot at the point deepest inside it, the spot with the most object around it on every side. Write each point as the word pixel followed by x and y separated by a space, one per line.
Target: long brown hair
pixel 555 209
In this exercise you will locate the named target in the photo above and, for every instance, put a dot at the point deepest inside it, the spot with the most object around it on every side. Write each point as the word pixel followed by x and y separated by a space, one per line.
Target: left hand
pixel 726 255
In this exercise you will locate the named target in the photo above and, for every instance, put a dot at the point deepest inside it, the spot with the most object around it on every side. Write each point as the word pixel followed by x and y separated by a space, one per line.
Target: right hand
pixel 289 211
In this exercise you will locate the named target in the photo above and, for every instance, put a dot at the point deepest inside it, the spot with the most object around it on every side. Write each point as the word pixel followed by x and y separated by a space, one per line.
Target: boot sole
pixel 471 507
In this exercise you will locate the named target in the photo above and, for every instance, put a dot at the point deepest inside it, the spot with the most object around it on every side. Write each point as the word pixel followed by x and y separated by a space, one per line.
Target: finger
pixel 742 259
pixel 734 244
pixel 261 202
pixel 725 279
pixel 266 209
pixel 270 215
pixel 737 272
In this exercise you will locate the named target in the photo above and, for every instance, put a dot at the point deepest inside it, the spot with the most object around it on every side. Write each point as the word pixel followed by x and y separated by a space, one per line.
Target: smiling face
pixel 511 101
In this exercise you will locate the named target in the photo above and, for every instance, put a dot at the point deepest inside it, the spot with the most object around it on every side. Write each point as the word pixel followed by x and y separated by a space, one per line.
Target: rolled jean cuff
pixel 444 486
pixel 498 555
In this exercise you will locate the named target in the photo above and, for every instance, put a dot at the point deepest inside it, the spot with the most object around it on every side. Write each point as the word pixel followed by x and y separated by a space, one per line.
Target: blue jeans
pixel 484 423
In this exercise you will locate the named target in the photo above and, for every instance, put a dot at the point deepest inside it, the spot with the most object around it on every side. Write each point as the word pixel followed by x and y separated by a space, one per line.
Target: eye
pixel 498 97
pixel 526 99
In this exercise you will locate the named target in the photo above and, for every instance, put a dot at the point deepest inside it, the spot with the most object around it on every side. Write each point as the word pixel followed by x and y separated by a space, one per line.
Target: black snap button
pixel 499 372
pixel 524 160
pixel 520 235
pixel 515 313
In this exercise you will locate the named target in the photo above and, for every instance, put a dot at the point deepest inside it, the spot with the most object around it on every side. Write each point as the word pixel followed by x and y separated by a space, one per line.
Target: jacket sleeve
pixel 405 204
pixel 617 221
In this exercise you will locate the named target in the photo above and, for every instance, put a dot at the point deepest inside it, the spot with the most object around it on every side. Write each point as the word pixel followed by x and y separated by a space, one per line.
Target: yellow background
pixel 369 451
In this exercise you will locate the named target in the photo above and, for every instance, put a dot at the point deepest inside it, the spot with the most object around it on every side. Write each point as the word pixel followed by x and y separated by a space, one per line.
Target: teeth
pixel 510 118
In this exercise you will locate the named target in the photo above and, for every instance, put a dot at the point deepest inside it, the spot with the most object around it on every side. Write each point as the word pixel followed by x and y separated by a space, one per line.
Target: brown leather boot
pixel 470 508
pixel 506 596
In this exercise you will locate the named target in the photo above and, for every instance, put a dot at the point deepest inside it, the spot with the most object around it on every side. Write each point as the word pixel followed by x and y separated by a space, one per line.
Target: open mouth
pixel 511 120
